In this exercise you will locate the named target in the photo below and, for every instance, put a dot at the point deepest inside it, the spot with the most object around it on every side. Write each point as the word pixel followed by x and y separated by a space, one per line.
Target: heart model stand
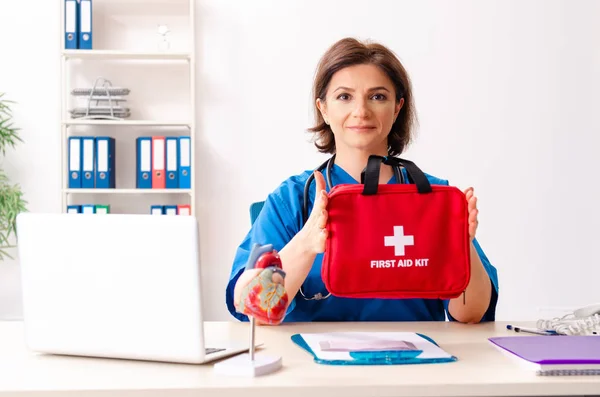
pixel 263 298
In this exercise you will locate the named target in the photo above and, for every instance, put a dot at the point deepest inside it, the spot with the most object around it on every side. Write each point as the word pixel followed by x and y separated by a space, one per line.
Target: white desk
pixel 481 370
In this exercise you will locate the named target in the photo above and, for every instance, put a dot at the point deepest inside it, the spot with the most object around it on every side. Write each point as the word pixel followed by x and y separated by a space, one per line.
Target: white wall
pixel 507 96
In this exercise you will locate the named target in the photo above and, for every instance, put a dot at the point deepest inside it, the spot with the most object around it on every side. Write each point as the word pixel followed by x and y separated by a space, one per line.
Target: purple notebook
pixel 557 355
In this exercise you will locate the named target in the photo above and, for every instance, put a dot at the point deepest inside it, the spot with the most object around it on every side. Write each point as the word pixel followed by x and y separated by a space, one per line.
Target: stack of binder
pixel 101 101
pixel 182 209
pixel 163 162
pixel 88 209
pixel 92 162
pixel 78 24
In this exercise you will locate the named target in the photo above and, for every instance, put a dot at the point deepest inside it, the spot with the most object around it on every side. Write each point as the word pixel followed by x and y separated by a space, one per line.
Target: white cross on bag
pixel 399 240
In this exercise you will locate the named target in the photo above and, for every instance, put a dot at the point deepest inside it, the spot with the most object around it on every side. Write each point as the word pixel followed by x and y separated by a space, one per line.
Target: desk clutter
pixel 161 162
pixel 372 348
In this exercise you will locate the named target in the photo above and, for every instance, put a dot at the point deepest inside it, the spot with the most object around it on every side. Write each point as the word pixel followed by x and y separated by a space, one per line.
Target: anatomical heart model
pixel 264 298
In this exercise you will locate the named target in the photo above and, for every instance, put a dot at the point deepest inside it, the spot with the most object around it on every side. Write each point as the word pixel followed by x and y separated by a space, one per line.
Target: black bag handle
pixel 415 175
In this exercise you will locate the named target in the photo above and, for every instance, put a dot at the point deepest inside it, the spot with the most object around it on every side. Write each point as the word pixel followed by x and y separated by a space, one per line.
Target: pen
pixel 530 330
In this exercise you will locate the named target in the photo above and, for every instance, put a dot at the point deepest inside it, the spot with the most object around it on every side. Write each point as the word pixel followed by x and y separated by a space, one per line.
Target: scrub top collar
pixel 340 176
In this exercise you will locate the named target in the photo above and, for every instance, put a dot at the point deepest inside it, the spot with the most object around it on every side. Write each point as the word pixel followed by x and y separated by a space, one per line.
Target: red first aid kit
pixel 396 240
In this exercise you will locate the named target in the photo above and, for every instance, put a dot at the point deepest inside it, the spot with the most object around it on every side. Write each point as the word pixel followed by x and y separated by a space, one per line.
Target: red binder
pixel 184 209
pixel 158 162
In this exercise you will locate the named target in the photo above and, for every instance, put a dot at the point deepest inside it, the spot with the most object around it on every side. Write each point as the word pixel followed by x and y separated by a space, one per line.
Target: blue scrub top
pixel 281 219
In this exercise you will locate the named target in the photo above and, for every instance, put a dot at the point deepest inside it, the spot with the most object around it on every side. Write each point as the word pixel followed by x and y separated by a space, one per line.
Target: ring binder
pixel 71 25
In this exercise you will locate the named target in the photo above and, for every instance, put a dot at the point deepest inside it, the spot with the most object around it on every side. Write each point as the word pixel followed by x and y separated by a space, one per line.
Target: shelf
pixel 125 55
pixel 145 2
pixel 127 191
pixel 127 123
pixel 128 46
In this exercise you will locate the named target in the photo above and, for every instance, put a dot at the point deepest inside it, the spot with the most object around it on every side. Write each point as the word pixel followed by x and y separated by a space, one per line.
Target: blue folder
pixel 157 210
pixel 88 209
pixel 71 20
pixel 74 209
pixel 185 159
pixel 425 351
pixel 170 210
pixel 85 24
pixel 105 162
pixel 75 162
pixel 172 160
pixel 143 171
pixel 88 162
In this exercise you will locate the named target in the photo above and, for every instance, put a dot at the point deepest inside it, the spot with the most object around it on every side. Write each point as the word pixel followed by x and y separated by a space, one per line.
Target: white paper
pixel 429 350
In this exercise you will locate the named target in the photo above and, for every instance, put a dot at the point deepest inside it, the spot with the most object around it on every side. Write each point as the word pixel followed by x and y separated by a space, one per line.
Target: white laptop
pixel 118 286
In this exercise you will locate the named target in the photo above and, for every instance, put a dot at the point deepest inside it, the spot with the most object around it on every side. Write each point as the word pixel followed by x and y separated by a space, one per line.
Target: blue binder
pixel 156 210
pixel 170 210
pixel 75 162
pixel 88 154
pixel 73 209
pixel 185 155
pixel 71 24
pixel 105 162
pixel 85 24
pixel 144 163
pixel 172 159
pixel 88 209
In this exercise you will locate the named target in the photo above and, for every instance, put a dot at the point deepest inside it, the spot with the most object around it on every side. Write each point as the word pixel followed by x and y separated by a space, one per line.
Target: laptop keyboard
pixel 210 350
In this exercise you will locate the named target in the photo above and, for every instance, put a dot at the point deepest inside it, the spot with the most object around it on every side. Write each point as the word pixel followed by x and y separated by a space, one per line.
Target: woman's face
pixel 360 107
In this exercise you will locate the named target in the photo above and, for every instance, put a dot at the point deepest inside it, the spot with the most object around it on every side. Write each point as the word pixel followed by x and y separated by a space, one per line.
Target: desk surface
pixel 481 370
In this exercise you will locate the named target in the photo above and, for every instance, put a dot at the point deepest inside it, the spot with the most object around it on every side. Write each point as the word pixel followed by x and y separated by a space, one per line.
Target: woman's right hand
pixel 314 233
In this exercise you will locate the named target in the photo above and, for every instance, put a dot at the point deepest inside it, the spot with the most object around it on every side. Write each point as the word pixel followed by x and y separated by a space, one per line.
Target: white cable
pixel 572 325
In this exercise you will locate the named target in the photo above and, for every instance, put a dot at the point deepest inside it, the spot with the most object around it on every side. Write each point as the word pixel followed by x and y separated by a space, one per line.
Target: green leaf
pixel 11 197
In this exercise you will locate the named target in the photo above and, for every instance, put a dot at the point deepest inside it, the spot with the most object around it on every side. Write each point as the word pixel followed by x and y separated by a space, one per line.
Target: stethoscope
pixel 327 166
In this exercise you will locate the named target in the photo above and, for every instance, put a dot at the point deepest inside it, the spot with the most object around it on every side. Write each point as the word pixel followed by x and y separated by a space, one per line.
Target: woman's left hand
pixel 473 211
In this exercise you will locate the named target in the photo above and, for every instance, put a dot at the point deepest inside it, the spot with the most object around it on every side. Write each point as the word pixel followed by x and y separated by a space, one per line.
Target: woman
pixel 363 106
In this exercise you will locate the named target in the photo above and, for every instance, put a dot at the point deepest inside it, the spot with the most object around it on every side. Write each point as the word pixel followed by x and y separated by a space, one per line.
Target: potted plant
pixel 11 196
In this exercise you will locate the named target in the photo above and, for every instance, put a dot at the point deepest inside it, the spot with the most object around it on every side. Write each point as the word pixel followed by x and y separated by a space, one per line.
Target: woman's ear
pixel 398 107
pixel 323 109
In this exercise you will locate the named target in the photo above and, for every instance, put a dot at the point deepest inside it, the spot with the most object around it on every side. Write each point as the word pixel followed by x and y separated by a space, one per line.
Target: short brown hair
pixel 348 52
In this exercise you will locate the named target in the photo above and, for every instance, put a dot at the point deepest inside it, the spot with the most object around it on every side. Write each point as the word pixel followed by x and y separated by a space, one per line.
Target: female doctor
pixel 363 105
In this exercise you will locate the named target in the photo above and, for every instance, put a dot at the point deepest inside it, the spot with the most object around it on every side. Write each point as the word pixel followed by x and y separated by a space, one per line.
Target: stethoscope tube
pixel 328 165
